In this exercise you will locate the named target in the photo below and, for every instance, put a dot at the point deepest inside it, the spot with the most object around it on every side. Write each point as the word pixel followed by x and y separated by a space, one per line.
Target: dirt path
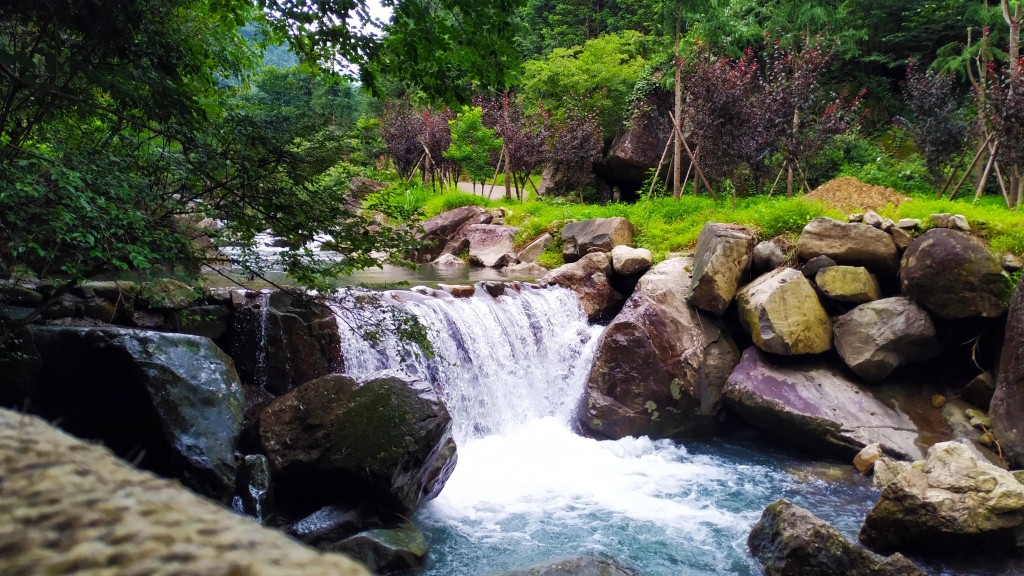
pixel 497 194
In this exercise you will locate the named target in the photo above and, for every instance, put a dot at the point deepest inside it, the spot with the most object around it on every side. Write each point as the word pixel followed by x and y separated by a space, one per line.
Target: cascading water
pixel 527 489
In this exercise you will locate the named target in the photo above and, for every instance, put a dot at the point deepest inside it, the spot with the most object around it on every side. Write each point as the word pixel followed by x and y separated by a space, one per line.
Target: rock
pixel 902 238
pixel 15 295
pixel 938 400
pixel 628 261
pixel 940 220
pixel 1012 262
pixel 857 217
pixel 171 400
pixel 876 338
pixel 908 223
pixel 388 439
pixel 590 279
pixel 332 524
pixel 582 566
pixel 1007 406
pixel 814 265
pixel 782 313
pixel 887 225
pixel 113 290
pixel 168 294
pixel 490 245
pixel 721 259
pixel 595 235
pixel 959 222
pixel 387 550
pixel 495 289
pixel 460 290
pixel 254 488
pixel 953 275
pixel 851 244
pixel 529 271
pixel 872 219
pixel 789 540
pixel 768 255
pixel 813 404
pixel 886 470
pixel 64 306
pixel 637 149
pixel 100 309
pixel 281 340
pixel 448 261
pixel 951 501
pixel 980 389
pixel 865 460
pixel 534 249
pixel 210 321
pixel 72 507
pixel 445 229
pixel 848 284
pixel 660 365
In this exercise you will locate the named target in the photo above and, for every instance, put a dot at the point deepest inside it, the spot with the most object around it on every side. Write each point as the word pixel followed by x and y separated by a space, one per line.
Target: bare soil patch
pixel 851 195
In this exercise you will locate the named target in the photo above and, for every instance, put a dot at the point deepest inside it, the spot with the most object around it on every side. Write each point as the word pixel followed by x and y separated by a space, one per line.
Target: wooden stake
pixel 700 173
pixel 981 150
pixel 952 172
pixel 777 178
pixel 988 171
pixel 657 172
pixel 414 168
pixel 501 158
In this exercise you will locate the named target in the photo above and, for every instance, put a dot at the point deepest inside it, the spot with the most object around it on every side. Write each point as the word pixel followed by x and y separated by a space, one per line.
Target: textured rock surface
pixel 782 313
pixel 876 338
pixel 790 541
pixel 491 245
pixel 448 261
pixel 848 284
pixel 175 397
pixel 595 235
pixel 660 366
pixel 389 439
pixel 628 261
pixel 812 404
pixel 721 259
pixel 852 244
pixel 768 255
pixel 529 271
pixel 387 550
pixel 865 460
pixel 534 249
pixel 443 232
pixel 583 566
pixel 952 500
pixel 1007 407
pixel 73 507
pixel 953 275
pixel 590 279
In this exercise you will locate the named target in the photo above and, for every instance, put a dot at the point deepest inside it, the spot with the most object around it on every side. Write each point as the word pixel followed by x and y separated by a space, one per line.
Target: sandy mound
pixel 851 195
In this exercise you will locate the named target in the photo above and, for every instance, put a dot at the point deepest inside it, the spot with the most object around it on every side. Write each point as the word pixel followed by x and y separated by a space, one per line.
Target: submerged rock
pixel 387 550
pixel 851 244
pixel 595 235
pixel 590 279
pixel 172 401
pixel 721 259
pixel 388 439
pixel 660 365
pixel 790 541
pixel 332 524
pixel 582 566
pixel 952 501
pixel 876 338
pixel 783 315
pixel 953 275
pixel 812 404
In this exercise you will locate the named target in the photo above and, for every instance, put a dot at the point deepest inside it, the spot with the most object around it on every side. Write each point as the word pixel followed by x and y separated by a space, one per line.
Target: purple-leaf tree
pixel 935 124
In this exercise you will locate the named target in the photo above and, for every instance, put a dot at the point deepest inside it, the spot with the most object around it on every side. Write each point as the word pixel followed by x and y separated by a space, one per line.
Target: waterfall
pixel 261 348
pixel 498 362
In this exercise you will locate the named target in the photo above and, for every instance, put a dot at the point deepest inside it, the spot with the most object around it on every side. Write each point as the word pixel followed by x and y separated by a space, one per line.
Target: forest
pixel 137 133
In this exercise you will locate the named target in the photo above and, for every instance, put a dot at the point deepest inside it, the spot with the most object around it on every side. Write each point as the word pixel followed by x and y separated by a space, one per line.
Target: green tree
pixel 473 144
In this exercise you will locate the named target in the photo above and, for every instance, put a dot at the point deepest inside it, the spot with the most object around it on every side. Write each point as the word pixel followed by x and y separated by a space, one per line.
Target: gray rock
pixel 210 321
pixel 495 289
pixel 168 294
pixel 113 290
pixel 529 271
pixel 768 255
pixel 660 365
pixel 1012 262
pixel 1007 407
pixel 959 222
pixel 848 284
pixel 980 389
pixel 720 261
pixel 815 265
pixel 590 279
pixel 595 235
pixel 387 550
pixel 491 245
pixel 814 405
pixel 443 233
pixel 953 275
pixel 876 338
pixel 448 261
pixel 534 249
pixel 940 220
pixel 781 312
pixel 901 237
pixel 872 219
pixel 951 501
pixel 908 223
pixel 332 524
pixel 851 244
pixel 582 566
pixel 628 261
pixel 790 541
pixel 15 295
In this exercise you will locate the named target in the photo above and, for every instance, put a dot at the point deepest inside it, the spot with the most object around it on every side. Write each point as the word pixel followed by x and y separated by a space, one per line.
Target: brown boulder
pixel 876 338
pixel 782 313
pixel 849 243
pixel 721 259
pixel 590 279
pixel 660 365
pixel 445 229
pixel 595 235
pixel 1007 406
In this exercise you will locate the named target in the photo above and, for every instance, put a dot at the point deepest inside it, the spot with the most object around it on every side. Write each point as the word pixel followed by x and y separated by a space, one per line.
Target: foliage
pixel 473 144
pixel 400 127
pixel 1006 112
pixel 936 125
pixel 575 144
pixel 524 135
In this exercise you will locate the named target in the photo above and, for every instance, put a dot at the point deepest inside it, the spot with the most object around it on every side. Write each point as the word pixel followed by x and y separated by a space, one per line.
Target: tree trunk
pixel 508 177
pixel 677 150
pixel 789 180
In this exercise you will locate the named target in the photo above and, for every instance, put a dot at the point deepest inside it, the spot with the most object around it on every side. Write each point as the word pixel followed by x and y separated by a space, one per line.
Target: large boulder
pixel 442 233
pixel 721 259
pixel 387 550
pixel 534 249
pixel 581 566
pixel 637 150
pixel 590 279
pixel 388 439
pixel 172 402
pixel 849 243
pixel 71 507
pixel 954 500
pixel 280 340
pixel 490 245
pixel 1007 406
pixel 953 275
pixel 782 313
pixel 848 284
pixel 876 338
pixel 595 235
pixel 660 365
pixel 791 541
pixel 628 261
pixel 812 404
